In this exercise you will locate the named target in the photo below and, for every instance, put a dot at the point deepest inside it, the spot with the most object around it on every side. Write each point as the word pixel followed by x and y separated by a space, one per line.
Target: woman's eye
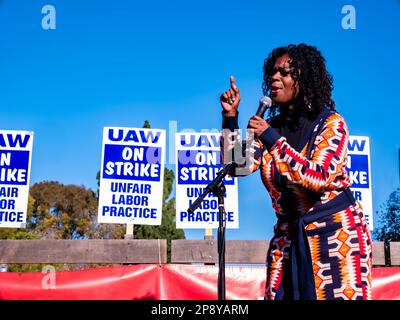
pixel 284 73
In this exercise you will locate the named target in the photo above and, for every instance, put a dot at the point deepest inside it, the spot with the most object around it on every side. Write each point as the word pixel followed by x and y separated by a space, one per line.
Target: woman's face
pixel 283 89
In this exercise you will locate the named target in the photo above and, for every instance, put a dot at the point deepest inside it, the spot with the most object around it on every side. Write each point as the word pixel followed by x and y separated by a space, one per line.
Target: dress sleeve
pixel 246 153
pixel 327 161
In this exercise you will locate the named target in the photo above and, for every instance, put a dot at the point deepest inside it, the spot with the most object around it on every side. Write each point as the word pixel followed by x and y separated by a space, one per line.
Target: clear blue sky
pixel 117 63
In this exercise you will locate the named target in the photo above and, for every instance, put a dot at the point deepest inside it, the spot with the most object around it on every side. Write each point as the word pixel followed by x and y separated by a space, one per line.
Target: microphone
pixel 265 103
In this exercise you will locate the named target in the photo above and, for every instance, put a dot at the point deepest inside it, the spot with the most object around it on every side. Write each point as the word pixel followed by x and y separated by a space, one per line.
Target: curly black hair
pixel 309 70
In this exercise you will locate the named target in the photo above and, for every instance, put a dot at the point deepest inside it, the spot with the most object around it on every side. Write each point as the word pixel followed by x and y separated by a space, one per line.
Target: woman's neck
pixel 292 113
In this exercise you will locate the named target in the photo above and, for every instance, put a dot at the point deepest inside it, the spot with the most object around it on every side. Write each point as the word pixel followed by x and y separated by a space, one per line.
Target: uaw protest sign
pixel 132 176
pixel 359 170
pixel 15 166
pixel 198 161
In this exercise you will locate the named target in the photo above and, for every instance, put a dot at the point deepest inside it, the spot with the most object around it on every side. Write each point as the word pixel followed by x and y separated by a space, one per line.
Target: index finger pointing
pixel 233 85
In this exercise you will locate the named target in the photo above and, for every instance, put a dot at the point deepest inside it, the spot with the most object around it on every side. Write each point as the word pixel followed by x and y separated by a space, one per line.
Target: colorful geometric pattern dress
pixel 321 248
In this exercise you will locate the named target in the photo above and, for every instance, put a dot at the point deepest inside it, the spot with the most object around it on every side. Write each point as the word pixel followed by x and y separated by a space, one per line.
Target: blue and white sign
pixel 132 176
pixel 15 167
pixel 359 170
pixel 198 161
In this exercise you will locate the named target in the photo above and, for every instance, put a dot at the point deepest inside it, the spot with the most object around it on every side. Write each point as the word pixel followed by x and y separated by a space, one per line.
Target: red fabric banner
pixel 159 282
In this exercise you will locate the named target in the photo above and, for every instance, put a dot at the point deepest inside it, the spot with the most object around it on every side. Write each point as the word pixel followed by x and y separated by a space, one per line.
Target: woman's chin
pixel 278 101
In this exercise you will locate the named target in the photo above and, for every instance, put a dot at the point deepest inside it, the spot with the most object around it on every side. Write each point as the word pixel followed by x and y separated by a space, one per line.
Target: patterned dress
pixel 321 248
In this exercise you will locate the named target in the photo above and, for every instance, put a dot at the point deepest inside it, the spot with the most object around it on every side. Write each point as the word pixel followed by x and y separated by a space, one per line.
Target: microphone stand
pixel 217 187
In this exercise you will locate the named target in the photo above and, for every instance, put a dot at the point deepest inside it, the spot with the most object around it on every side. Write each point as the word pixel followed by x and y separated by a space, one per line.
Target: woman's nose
pixel 276 76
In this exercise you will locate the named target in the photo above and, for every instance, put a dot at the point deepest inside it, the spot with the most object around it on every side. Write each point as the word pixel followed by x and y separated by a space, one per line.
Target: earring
pixel 309 107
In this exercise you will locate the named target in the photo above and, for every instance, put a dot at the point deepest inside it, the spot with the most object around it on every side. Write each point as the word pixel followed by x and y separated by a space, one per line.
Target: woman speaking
pixel 321 248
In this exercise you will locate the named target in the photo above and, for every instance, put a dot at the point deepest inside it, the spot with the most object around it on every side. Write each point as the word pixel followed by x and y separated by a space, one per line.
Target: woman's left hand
pixel 258 124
